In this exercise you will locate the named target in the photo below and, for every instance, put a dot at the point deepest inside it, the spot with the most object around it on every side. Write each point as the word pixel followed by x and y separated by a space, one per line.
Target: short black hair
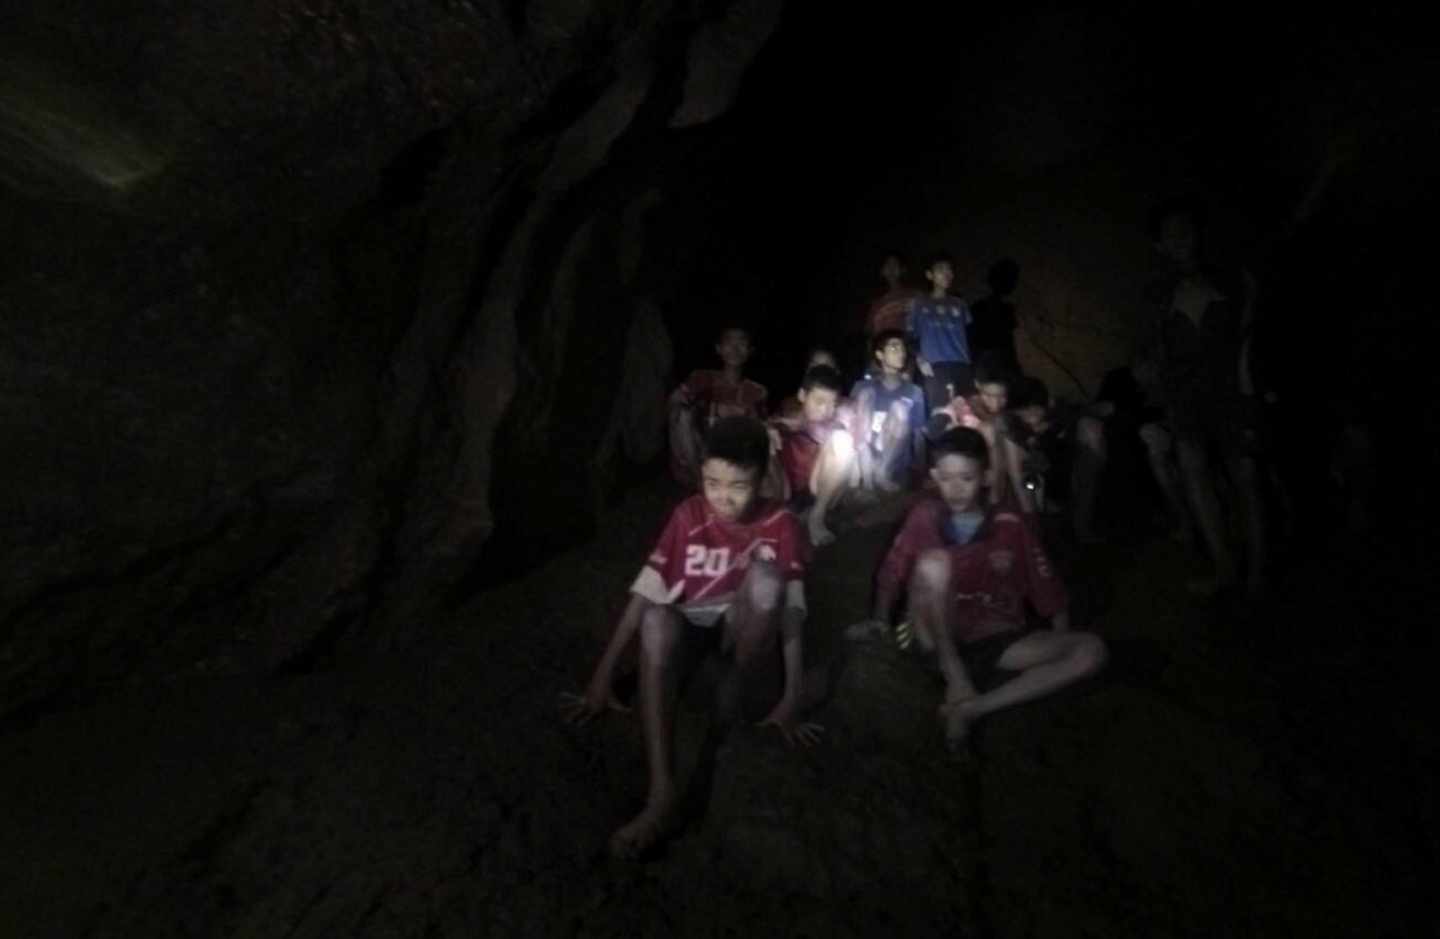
pixel 742 441
pixel 1030 393
pixel 1187 207
pixel 938 258
pixel 991 369
pixel 884 336
pixel 960 441
pixel 823 376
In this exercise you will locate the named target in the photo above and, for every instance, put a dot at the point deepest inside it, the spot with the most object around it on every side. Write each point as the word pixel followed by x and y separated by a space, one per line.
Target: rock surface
pixel 1197 788
pixel 295 303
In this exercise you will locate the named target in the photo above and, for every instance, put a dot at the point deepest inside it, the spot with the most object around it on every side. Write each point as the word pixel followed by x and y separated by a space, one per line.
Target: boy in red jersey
pixel 708 395
pixel 816 452
pixel 970 569
pixel 727 571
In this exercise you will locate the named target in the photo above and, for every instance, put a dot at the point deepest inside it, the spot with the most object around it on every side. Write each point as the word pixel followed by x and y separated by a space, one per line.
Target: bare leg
pixel 829 478
pixel 865 436
pixel 1159 446
pixel 661 629
pixel 930 605
pixel 1245 473
pixel 1090 458
pixel 1195 468
pixel 1047 662
pixel 752 628
pixel 894 435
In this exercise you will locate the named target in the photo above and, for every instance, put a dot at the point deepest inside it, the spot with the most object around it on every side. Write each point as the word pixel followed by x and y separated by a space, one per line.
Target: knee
pixel 1157 440
pixel 932 572
pixel 841 447
pixel 763 587
pixel 1090 654
pixel 1090 434
pixel 658 633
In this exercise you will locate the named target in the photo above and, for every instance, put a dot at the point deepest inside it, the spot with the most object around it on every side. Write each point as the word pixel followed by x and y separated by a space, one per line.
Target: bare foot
pixel 645 830
pixel 956 717
pixel 819 534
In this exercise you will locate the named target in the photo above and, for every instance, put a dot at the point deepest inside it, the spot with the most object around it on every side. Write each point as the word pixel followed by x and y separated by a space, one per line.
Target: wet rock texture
pixel 291 293
pixel 1197 788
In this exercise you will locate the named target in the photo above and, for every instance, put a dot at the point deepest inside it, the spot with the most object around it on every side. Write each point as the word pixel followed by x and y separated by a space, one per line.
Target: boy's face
pixel 819 404
pixel 993 395
pixel 729 489
pixel 1177 239
pixel 733 347
pixel 960 479
pixel 892 270
pixel 891 356
pixel 821 357
pixel 941 275
pixel 1034 417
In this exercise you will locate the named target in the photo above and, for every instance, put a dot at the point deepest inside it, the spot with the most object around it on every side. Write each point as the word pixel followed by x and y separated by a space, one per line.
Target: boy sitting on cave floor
pixel 727 574
pixel 889 418
pixel 970 567
pixel 816 453
pixel 707 395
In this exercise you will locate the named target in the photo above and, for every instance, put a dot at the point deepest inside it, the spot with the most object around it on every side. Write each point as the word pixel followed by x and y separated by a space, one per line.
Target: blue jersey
pixel 907 394
pixel 938 326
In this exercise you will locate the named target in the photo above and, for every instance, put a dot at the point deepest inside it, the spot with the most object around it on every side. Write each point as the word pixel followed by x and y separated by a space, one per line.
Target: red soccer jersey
pixel 890 310
pixel 700 561
pixel 718 397
pixel 1003 566
pixel 800 448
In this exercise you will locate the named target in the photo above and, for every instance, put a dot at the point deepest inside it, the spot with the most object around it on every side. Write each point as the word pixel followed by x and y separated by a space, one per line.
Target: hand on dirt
pixel 581 709
pixel 793 730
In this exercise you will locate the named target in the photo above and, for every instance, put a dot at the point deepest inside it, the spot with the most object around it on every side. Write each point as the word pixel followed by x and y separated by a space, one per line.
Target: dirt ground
pixel 1235 771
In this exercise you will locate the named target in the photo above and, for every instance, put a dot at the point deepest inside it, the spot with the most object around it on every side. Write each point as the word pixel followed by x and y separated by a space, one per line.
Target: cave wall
pixel 293 286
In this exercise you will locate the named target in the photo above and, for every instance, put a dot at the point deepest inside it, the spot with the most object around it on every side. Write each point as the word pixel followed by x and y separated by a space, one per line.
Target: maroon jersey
pixel 716 396
pixel 890 310
pixel 800 448
pixel 700 561
pixel 992 576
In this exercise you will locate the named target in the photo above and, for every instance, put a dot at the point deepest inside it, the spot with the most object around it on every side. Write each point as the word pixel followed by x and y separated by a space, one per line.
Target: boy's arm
pixel 1015 457
pixel 600 693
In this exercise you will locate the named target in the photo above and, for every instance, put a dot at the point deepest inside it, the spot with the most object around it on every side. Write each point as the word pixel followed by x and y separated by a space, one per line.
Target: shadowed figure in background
pixel 1190 355
pixel 939 325
pixel 992 330
pixel 708 395
pixel 1058 449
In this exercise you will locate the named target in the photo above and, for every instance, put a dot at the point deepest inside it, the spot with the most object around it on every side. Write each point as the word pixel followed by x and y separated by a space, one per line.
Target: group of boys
pixel 728 570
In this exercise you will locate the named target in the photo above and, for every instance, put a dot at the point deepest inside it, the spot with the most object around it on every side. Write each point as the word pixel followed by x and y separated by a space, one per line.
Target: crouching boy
pixel 970 569
pixel 727 574
pixel 816 453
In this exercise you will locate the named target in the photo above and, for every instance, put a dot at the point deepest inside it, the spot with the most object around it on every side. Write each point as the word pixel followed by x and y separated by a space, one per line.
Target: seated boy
pixel 970 569
pixel 708 395
pixel 1060 442
pixel 791 407
pixel 816 453
pixel 726 574
pixel 889 417
pixel 981 409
